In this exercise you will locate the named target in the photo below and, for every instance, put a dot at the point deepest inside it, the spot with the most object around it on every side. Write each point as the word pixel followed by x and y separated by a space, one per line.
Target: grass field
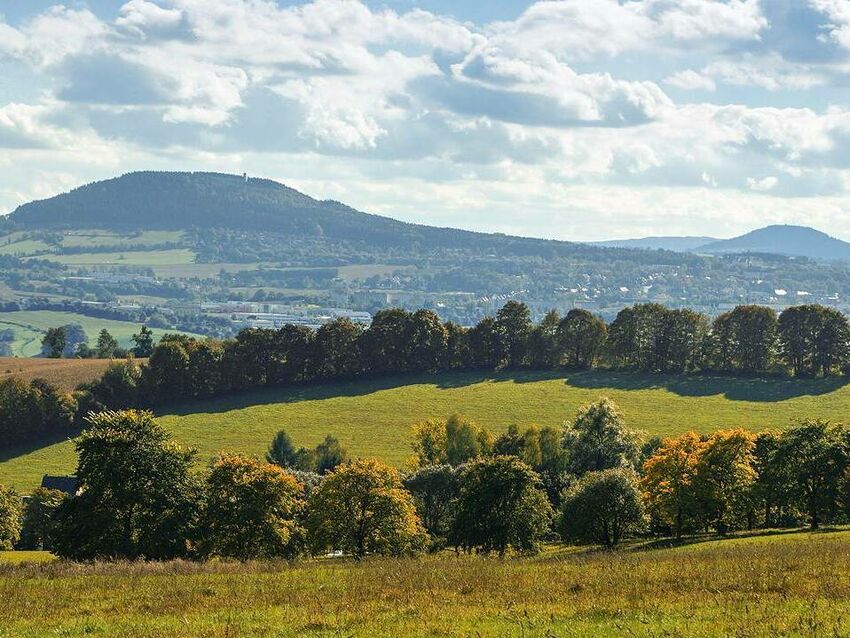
pixel 373 418
pixel 77 238
pixel 66 374
pixel 30 326
pixel 783 585
pixel 130 257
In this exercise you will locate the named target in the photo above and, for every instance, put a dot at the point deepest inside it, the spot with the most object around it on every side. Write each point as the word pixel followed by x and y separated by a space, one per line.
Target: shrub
pixel 361 508
pixel 602 507
pixel 500 505
pixel 251 510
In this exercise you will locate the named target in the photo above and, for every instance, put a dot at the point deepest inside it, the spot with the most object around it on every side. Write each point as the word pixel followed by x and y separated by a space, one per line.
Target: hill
pixel 788 584
pixel 676 244
pixel 373 418
pixel 179 200
pixel 797 241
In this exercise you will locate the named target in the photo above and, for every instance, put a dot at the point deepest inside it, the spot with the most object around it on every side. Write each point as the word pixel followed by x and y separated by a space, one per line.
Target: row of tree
pixel 593 480
pixel 805 340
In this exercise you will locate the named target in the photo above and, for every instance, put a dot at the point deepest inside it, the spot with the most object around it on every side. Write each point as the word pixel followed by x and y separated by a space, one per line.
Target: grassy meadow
pixel 792 584
pixel 373 418
pixel 31 325
pixel 129 257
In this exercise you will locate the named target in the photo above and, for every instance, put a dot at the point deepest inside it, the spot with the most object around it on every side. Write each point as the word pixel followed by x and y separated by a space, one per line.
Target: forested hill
pixel 783 240
pixel 174 201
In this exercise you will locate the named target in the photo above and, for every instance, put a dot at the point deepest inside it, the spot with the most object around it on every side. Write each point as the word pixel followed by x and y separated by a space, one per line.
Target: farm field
pixel 130 257
pixel 78 238
pixel 66 374
pixel 373 418
pixel 791 584
pixel 30 326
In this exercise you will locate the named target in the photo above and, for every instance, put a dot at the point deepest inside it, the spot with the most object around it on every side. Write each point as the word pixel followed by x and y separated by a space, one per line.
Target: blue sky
pixel 574 119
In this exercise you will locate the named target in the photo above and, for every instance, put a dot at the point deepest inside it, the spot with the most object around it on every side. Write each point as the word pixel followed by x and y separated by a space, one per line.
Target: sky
pixel 568 119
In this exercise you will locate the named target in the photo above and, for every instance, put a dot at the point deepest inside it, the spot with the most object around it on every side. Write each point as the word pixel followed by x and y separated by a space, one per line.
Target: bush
pixel 500 505
pixel 602 507
pixel 251 510
pixel 361 508
pixel 38 519
pixel 11 508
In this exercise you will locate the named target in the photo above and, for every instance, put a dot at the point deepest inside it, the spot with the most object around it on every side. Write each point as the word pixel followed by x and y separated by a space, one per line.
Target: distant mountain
pixel 677 244
pixel 182 200
pixel 796 241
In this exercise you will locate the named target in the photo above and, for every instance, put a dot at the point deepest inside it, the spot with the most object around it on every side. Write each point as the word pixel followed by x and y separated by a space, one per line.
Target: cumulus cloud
pixel 530 114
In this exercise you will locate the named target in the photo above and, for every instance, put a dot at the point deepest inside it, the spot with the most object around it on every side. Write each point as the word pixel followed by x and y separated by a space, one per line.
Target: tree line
pixel 593 480
pixel 806 341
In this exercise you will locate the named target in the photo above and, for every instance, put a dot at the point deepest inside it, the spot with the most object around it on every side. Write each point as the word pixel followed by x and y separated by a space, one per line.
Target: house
pixel 67 484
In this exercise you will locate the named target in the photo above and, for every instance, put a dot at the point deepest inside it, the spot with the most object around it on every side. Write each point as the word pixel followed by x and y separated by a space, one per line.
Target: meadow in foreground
pixel 373 418
pixel 791 584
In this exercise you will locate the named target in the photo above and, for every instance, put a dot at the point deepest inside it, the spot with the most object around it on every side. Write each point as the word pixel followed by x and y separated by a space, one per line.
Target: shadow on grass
pixel 757 389
pixel 321 391
pixel 14 451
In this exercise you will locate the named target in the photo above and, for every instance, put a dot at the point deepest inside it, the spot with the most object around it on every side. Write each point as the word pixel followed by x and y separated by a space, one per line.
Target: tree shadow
pixel 757 389
pixel 20 449
pixel 699 539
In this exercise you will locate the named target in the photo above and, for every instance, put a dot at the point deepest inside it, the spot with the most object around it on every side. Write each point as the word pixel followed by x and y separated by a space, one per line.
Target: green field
pixel 373 418
pixel 130 257
pixel 793 584
pixel 30 326
pixel 92 238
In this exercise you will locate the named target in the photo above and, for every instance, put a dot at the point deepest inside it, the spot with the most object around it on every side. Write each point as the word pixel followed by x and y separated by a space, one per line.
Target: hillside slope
pixel 373 418
pixel 181 200
pixel 798 241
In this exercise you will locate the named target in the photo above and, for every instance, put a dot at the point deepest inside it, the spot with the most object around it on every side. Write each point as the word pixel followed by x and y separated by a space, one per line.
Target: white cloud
pixel 764 184
pixel 554 123
pixel 690 80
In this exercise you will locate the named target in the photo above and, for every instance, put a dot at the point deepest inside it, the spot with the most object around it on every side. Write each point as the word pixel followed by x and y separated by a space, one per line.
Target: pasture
pixel 30 325
pixel 129 257
pixel 790 584
pixel 373 418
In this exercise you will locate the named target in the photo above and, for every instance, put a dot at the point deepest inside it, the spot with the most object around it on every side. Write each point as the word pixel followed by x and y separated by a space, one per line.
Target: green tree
pixel 328 455
pixel 580 339
pixel 11 510
pixel 512 327
pixel 118 386
pixel 745 339
pixel 543 343
pixel 137 496
pixel 282 451
pixel 815 453
pixel 484 348
pixel 603 507
pixel 500 505
pixel 362 508
pixel 32 410
pixel 336 350
pixel 166 375
pixel 386 344
pixel 54 342
pixel 106 346
pixel 465 440
pixel 429 342
pixel 434 489
pixel 37 525
pixel 599 439
pixel 251 510
pixel 144 342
